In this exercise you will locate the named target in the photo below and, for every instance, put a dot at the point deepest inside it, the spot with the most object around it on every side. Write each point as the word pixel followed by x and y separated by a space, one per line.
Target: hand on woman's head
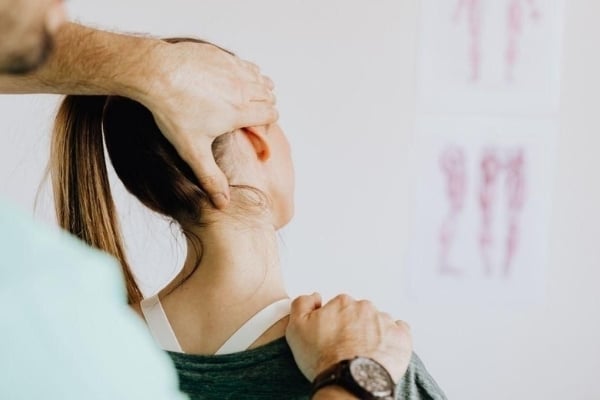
pixel 202 92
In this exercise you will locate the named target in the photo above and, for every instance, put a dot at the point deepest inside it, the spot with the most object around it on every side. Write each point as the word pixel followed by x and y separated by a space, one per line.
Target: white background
pixel 345 74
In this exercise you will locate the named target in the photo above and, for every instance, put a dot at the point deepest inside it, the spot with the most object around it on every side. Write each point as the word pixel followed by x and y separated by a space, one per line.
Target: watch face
pixel 371 376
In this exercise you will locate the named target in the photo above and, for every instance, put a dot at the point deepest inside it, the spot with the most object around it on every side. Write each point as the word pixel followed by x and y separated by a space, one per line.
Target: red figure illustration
pixel 515 192
pixel 474 20
pixel 490 169
pixel 496 166
pixel 453 166
pixel 515 22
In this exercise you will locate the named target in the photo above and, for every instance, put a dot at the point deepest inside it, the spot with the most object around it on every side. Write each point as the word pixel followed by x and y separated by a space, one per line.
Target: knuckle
pixel 265 94
pixel 299 300
pixel 366 305
pixel 253 66
pixel 403 326
pixel 386 317
pixel 343 299
pixel 273 114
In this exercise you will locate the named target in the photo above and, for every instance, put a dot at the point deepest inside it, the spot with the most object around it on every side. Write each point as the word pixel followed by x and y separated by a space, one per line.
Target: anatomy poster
pixel 482 205
pixel 489 56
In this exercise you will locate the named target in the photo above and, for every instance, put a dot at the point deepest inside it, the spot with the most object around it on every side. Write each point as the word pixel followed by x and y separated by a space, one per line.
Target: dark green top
pixel 269 372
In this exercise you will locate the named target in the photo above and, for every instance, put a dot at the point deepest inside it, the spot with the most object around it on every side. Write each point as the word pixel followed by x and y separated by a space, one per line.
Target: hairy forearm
pixel 90 61
pixel 195 91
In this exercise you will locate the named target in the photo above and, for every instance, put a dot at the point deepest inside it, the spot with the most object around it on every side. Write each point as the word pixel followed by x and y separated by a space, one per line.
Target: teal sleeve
pixel 66 331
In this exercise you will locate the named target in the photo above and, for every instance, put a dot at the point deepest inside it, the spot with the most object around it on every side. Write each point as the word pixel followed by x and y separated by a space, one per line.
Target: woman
pixel 223 317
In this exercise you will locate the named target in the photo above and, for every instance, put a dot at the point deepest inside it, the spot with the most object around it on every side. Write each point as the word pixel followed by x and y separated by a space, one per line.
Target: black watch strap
pixel 328 377
pixel 340 375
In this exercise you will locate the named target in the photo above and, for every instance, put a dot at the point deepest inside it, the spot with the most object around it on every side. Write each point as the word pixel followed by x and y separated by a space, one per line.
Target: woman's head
pixel 256 161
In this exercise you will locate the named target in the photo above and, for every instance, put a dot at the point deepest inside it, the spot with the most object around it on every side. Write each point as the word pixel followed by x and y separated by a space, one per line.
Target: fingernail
pixel 221 200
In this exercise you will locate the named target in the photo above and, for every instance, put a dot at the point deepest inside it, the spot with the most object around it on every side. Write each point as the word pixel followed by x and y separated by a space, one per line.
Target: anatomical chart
pixel 488 89
pixel 489 56
pixel 482 208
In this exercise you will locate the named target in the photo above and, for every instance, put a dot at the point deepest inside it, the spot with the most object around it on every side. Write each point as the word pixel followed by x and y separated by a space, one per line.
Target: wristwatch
pixel 363 377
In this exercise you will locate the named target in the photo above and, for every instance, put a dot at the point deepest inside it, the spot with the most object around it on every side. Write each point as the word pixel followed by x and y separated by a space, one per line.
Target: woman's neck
pixel 243 260
pixel 231 272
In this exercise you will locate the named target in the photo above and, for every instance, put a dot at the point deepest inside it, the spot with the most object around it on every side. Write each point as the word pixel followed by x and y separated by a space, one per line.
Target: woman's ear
pixel 257 137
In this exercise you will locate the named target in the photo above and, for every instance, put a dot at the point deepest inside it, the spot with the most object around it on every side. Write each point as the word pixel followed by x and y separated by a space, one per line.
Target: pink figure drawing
pixel 490 169
pixel 515 22
pixel 474 20
pixel 453 166
pixel 515 191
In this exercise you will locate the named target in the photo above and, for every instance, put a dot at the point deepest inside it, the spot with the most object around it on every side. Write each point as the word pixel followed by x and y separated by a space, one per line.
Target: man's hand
pixel 195 91
pixel 202 92
pixel 345 328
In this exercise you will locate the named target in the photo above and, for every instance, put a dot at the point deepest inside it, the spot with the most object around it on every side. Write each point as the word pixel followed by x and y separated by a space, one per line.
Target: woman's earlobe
pixel 258 139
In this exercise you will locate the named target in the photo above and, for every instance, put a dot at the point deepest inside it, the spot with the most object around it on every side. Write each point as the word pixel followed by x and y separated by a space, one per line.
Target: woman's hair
pixel 147 164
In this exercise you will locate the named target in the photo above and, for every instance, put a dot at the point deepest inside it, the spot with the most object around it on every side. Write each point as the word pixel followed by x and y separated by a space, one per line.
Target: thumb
pixel 304 305
pixel 210 176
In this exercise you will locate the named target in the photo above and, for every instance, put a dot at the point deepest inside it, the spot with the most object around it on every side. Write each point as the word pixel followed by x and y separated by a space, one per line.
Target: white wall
pixel 345 73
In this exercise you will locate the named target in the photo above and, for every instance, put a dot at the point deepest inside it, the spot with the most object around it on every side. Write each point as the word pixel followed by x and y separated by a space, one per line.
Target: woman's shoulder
pixel 271 370
pixel 275 351
pixel 268 370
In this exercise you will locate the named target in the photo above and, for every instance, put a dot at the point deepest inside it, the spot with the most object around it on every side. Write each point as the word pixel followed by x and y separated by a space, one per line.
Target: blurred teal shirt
pixel 66 331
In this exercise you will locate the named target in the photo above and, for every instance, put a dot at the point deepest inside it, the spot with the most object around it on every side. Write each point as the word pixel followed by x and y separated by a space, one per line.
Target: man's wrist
pixel 143 75
pixel 88 61
pixel 333 392
pixel 363 377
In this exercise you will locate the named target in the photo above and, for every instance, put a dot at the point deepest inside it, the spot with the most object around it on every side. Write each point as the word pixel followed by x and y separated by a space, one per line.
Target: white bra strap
pixel 255 327
pixel 159 325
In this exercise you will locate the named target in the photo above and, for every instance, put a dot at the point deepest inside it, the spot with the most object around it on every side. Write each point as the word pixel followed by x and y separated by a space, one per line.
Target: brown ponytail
pixel 144 160
pixel 82 196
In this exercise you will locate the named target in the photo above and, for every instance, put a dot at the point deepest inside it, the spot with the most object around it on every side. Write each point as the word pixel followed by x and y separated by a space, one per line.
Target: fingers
pixel 251 66
pixel 258 92
pixel 341 300
pixel 257 114
pixel 258 106
pixel 255 74
pixel 211 178
pixel 304 305
pixel 268 82
pixel 258 99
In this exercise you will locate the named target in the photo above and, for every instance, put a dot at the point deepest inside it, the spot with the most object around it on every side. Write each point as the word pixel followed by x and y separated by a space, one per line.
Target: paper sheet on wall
pixel 489 56
pixel 482 206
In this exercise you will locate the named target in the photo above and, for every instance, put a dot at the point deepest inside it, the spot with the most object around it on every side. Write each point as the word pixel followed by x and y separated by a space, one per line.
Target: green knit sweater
pixel 269 372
